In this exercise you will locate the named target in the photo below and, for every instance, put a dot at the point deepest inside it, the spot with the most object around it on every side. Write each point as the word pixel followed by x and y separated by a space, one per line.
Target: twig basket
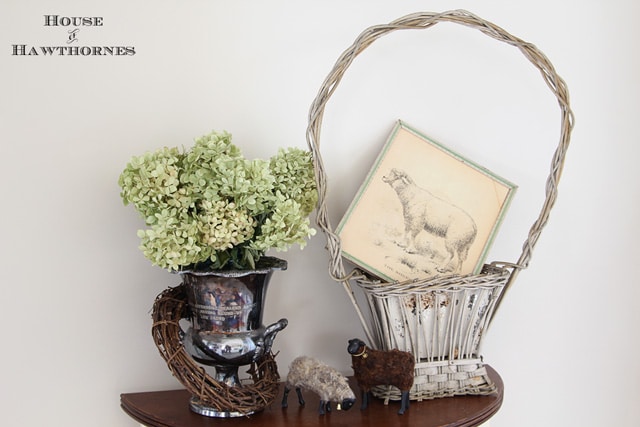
pixel 441 321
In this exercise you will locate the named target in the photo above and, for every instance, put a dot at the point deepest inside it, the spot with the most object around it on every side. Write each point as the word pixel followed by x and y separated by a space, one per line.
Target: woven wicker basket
pixel 441 321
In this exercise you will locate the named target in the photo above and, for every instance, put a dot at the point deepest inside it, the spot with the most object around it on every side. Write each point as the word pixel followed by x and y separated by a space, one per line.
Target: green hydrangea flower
pixel 152 183
pixel 295 178
pixel 209 205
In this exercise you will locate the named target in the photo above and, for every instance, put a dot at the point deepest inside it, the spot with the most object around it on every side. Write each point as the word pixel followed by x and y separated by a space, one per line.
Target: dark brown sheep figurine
pixel 376 367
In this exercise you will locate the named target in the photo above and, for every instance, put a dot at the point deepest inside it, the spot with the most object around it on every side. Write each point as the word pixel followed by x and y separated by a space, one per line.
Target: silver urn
pixel 226 330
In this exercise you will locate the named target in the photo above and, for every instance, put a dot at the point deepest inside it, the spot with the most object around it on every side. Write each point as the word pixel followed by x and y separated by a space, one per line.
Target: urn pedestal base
pixel 199 407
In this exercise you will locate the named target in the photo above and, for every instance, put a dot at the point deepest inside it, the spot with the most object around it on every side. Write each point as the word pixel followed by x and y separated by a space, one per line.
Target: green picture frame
pixel 423 211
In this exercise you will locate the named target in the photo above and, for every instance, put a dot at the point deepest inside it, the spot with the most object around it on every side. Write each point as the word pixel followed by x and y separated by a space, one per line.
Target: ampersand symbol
pixel 72 35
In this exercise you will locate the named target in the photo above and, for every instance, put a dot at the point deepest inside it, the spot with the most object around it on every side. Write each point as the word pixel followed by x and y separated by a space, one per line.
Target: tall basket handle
pixel 423 20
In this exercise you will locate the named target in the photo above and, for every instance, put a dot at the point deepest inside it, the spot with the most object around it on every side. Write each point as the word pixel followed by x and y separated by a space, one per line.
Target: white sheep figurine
pixel 311 374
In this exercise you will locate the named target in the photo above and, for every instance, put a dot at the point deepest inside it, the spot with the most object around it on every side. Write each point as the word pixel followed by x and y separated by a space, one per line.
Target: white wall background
pixel 77 293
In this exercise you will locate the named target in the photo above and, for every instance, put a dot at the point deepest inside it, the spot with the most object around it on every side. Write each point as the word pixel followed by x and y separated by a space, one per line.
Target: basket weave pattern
pixel 442 320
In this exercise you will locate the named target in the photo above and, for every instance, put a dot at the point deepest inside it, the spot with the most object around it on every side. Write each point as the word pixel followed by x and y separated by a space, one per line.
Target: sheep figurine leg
pixel 375 367
pixel 322 409
pixel 285 397
pixel 310 374
pixel 365 395
pixel 404 402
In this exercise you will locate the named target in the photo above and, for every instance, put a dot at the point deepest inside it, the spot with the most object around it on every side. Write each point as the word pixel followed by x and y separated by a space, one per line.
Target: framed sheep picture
pixel 423 211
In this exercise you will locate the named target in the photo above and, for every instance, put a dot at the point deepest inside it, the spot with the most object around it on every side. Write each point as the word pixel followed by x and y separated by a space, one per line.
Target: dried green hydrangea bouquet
pixel 210 208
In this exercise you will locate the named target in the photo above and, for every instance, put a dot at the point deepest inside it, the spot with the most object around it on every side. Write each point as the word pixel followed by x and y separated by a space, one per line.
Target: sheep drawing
pixel 422 210
pixel 311 374
pixel 376 367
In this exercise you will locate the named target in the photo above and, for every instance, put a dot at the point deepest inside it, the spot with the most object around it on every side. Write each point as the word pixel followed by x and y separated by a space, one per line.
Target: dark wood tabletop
pixel 171 409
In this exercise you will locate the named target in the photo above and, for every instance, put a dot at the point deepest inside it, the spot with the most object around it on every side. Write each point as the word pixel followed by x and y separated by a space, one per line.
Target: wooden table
pixel 171 409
